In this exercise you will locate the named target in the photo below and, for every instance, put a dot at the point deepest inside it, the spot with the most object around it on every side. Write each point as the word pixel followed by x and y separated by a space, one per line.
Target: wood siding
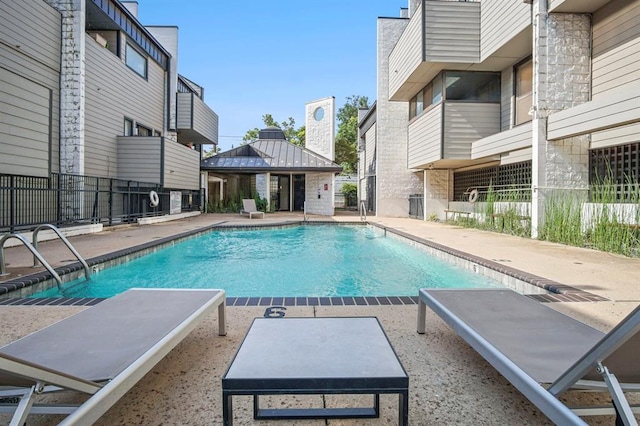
pixel 616 62
pixel 618 136
pixel 465 123
pixel 617 108
pixel 452 31
pixel 370 159
pixel 194 114
pixel 184 115
pixel 407 53
pixel 139 158
pixel 425 138
pixel 158 160
pixel 517 156
pixel 501 21
pixel 25 123
pixel 616 46
pixel 113 92
pixel 503 142
pixel 181 166
pixel 29 88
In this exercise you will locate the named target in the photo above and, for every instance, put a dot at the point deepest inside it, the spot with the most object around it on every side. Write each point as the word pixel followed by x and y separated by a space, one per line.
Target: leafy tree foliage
pixel 294 135
pixel 347 138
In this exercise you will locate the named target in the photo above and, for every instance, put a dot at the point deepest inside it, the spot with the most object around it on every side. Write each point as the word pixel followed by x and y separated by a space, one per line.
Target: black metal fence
pixel 69 200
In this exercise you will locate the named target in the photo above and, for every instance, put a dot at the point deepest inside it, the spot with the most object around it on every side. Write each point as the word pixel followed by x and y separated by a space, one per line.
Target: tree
pixel 293 135
pixel 347 138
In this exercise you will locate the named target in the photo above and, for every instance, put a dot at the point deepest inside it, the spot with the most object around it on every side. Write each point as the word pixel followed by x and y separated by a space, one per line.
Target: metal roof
pixel 269 155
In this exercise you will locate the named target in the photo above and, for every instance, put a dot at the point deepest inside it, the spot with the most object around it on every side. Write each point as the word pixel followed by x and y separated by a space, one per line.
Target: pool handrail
pixel 33 250
pixel 87 272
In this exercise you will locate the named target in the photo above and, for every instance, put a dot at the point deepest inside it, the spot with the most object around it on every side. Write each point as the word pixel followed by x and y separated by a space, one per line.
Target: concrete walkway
pixel 449 383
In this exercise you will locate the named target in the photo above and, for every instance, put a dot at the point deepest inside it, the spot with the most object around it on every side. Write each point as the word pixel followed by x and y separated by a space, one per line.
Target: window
pixel 436 83
pixel 128 127
pixel 420 102
pixel 523 91
pixel 318 114
pixel 143 131
pixel 472 86
pixel 136 61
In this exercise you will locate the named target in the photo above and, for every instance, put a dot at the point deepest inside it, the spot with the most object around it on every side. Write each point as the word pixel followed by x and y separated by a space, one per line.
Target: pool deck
pixel 449 382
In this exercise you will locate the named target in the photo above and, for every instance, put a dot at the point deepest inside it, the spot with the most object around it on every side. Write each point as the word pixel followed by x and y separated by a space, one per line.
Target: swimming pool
pixel 319 260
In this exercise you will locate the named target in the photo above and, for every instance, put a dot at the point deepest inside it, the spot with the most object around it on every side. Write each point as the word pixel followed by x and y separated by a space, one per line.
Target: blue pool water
pixel 297 261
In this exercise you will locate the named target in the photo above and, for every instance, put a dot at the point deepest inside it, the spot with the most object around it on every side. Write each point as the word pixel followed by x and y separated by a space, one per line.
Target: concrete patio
pixel 449 383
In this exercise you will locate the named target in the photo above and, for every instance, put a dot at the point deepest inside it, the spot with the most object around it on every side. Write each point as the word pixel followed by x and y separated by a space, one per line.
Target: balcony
pixel 444 35
pixel 576 6
pixel 504 142
pixel 158 160
pixel 443 136
pixel 196 122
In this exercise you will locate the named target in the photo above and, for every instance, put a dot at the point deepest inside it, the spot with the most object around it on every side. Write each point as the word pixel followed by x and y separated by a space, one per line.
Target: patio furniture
pixel 249 208
pixel 543 352
pixel 102 351
pixel 289 356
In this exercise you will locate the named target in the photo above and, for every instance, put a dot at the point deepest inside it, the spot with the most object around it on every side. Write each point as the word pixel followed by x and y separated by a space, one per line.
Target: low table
pixel 287 356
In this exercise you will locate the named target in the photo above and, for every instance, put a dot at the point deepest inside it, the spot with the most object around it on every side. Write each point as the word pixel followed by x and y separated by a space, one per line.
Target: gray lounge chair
pixel 102 351
pixel 542 352
pixel 249 208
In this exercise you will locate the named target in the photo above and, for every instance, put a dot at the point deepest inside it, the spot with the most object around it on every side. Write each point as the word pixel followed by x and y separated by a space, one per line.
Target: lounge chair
pixel 542 352
pixel 102 351
pixel 249 208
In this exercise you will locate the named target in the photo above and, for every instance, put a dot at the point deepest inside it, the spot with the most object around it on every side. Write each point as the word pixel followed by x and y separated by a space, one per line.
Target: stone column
pixel 72 85
pixel 561 80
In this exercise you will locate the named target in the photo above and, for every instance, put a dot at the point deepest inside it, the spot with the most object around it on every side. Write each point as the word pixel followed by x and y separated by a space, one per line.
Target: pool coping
pixel 557 292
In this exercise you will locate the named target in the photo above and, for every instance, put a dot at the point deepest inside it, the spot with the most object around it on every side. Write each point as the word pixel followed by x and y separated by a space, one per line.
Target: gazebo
pixel 286 175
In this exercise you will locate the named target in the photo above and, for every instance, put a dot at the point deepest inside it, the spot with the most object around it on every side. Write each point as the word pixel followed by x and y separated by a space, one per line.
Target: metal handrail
pixel 363 211
pixel 87 272
pixel 32 249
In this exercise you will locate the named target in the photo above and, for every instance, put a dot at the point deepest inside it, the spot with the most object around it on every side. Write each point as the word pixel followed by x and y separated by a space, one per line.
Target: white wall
pixel 314 186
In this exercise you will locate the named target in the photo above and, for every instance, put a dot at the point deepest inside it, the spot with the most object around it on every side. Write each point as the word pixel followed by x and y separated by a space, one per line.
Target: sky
pixel 257 57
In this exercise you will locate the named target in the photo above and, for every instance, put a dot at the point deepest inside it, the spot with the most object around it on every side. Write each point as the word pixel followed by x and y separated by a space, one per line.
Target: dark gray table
pixel 287 356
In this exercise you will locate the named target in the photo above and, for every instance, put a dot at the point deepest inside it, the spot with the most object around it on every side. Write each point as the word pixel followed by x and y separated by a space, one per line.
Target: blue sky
pixel 257 57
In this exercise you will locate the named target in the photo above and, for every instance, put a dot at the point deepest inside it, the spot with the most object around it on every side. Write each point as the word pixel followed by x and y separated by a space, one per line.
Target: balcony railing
pixel 447 131
pixel 158 160
pixel 196 123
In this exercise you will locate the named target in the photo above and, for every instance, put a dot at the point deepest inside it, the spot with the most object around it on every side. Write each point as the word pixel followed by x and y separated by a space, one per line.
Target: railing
pixel 87 273
pixel 363 210
pixel 32 249
pixel 68 200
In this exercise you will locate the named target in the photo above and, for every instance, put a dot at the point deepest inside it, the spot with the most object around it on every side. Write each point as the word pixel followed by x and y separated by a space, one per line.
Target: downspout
pixel 539 115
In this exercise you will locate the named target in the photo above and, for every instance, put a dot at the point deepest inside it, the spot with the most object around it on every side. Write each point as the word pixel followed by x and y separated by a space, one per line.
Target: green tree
pixel 347 137
pixel 294 135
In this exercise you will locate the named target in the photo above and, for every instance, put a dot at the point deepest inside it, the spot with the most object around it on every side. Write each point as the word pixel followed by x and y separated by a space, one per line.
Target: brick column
pixel 561 80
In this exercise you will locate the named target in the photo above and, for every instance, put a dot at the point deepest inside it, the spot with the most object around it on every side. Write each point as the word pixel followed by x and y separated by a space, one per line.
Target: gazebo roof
pixel 269 155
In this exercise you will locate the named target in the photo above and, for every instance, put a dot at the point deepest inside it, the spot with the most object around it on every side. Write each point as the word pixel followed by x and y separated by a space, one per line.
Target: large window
pixel 456 86
pixel 472 86
pixel 136 61
pixel 523 91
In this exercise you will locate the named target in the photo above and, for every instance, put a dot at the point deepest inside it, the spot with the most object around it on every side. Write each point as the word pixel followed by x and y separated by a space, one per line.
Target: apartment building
pixel 95 115
pixel 529 97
